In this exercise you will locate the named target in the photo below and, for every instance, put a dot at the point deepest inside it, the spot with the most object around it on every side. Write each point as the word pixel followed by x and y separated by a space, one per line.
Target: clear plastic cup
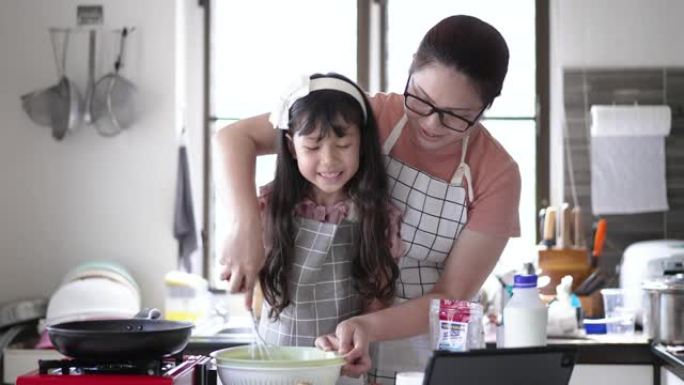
pixel 619 318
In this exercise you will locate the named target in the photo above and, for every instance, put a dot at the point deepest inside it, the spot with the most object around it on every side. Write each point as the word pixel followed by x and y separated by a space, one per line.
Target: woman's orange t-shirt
pixel 496 177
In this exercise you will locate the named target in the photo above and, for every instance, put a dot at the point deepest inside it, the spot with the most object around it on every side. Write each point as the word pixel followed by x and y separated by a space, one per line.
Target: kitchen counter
pixel 594 350
pixel 607 350
pixel 668 359
pixel 610 350
pixel 206 345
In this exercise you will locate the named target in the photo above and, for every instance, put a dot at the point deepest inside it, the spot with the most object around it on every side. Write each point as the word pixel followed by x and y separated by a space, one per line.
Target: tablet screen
pixel 550 365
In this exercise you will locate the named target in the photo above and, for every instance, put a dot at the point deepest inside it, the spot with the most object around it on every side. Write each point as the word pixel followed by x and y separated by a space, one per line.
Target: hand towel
pixel 184 224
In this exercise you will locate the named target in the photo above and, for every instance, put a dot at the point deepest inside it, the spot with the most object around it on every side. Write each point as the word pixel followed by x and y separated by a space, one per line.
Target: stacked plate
pixel 94 290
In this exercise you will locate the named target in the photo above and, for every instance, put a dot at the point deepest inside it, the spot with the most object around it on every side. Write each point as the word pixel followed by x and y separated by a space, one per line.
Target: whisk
pixel 259 347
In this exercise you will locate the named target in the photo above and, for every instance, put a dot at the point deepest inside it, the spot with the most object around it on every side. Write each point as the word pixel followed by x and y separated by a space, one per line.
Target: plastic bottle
pixel 525 315
pixel 562 314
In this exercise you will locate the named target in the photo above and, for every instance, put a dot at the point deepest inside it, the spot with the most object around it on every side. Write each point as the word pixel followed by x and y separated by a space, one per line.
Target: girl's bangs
pixel 329 111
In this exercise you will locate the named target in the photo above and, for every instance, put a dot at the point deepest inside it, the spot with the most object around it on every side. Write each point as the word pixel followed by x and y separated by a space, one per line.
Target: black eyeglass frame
pixel 440 112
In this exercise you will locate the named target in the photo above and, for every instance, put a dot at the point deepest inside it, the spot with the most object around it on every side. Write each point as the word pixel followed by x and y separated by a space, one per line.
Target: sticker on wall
pixel 89 15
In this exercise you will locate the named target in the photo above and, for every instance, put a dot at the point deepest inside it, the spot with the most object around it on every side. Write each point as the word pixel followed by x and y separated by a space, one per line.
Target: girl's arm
pixel 236 148
pixel 470 261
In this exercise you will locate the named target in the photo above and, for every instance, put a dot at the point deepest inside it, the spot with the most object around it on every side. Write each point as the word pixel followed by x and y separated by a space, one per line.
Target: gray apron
pixel 435 212
pixel 320 283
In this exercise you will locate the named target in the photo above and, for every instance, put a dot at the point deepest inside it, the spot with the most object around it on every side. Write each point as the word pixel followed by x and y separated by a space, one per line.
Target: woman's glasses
pixel 448 119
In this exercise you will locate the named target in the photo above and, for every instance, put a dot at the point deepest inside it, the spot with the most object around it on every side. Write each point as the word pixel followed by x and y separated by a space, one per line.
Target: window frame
pixel 372 76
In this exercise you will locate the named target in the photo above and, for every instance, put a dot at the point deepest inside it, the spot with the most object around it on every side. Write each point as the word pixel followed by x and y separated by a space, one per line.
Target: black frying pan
pixel 137 338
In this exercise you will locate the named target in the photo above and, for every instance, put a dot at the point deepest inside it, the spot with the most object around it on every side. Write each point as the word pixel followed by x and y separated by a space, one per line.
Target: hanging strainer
pixel 40 104
pixel 65 111
pixel 37 105
pixel 113 103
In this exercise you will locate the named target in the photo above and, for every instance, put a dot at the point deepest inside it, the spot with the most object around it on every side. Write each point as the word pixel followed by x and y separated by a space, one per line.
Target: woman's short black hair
pixel 470 46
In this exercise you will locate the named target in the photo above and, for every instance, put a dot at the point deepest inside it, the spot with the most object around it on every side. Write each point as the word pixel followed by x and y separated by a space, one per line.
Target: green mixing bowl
pixel 280 357
pixel 288 365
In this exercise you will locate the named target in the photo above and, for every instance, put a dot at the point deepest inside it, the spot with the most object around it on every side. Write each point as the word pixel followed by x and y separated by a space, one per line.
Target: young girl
pixel 329 231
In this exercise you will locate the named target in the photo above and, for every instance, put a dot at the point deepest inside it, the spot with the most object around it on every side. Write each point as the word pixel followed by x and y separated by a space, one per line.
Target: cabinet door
pixel 613 374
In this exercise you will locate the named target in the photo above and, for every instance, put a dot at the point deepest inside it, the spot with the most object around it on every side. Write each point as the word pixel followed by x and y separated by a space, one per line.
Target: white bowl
pixel 92 299
pixel 290 365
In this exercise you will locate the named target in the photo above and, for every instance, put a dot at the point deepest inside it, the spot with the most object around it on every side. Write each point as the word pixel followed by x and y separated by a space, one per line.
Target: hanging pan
pixel 142 337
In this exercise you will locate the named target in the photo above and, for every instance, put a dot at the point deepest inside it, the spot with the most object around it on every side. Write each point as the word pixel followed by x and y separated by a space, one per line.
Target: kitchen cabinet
pixel 612 374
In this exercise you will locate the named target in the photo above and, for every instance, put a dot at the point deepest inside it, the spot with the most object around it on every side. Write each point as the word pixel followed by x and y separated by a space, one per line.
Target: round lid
pixel 666 284
pixel 524 281
pixel 654 285
pixel 674 283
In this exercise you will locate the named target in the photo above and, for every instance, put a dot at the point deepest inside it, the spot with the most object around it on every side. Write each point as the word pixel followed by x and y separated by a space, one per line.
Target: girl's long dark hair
pixel 374 272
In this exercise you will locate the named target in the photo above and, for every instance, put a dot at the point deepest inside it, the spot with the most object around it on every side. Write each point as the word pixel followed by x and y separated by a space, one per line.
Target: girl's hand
pixel 351 341
pixel 243 256
pixel 327 343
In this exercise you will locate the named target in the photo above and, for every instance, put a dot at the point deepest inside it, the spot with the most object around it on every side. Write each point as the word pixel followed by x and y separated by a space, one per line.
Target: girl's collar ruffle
pixel 334 213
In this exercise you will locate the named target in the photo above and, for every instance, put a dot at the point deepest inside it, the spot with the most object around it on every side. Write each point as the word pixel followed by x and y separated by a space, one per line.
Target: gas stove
pixel 171 370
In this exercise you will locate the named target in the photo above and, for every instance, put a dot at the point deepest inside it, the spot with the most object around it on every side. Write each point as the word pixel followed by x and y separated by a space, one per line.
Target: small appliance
pixel 644 261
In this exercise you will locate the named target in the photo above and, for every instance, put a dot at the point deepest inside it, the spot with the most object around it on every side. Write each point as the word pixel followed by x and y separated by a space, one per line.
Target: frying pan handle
pixel 148 313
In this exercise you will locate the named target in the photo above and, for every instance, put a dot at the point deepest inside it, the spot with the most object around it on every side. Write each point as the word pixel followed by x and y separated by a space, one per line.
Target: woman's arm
pixel 236 148
pixel 470 261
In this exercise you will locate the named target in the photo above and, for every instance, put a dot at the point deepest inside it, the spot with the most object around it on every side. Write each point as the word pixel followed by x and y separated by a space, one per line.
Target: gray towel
pixel 184 227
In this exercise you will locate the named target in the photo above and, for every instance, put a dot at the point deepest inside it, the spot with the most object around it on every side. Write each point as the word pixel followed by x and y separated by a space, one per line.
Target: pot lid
pixel 669 284
pixel 654 285
pixel 674 283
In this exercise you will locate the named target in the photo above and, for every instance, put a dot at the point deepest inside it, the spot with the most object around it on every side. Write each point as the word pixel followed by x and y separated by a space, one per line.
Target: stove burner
pixel 152 367
pixel 169 370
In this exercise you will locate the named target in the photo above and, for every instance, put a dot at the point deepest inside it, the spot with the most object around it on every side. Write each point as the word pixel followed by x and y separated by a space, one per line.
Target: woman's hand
pixel 351 341
pixel 236 147
pixel 243 256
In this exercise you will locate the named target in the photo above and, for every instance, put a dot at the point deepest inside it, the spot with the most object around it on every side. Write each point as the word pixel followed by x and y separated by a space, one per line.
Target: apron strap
pixel 463 170
pixel 394 135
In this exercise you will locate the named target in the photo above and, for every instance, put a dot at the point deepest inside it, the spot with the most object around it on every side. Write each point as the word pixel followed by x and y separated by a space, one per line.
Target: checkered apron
pixel 435 212
pixel 320 283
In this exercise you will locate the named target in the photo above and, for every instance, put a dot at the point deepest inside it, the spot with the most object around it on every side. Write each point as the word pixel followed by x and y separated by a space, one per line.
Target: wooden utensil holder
pixel 592 305
pixel 557 263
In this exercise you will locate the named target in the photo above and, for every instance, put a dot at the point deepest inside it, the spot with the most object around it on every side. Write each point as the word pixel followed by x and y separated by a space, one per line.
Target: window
pixel 290 38
pixel 512 117
pixel 258 48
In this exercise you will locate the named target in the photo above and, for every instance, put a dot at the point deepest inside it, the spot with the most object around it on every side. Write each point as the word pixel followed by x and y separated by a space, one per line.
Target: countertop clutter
pixel 194 367
pixel 571 360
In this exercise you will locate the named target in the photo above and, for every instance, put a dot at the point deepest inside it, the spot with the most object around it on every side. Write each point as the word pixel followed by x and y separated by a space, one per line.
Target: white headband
pixel 280 117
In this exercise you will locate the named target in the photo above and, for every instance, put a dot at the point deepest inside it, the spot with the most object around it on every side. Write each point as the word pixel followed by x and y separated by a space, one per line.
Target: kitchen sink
pixel 235 330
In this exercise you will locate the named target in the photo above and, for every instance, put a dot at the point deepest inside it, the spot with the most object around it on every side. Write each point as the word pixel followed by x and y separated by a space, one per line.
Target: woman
pixel 458 187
